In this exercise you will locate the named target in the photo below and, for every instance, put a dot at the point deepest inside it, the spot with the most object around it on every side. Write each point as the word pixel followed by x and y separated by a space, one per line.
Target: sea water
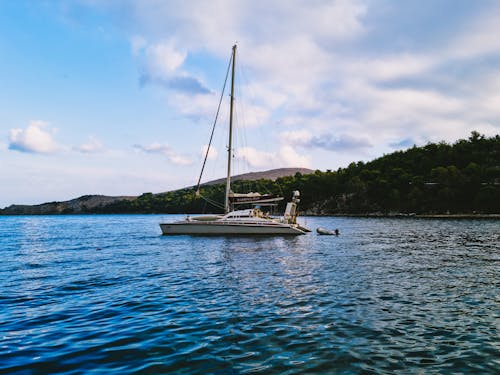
pixel 109 294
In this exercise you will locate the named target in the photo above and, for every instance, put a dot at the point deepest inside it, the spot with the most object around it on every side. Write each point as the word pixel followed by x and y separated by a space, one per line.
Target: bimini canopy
pixel 254 198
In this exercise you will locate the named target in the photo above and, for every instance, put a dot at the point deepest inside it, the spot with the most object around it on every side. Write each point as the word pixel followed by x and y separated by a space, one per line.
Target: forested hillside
pixel 463 177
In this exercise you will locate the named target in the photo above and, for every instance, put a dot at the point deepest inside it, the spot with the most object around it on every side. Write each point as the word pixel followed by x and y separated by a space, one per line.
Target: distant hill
pixel 271 174
pixel 96 203
pixel 436 179
pixel 79 205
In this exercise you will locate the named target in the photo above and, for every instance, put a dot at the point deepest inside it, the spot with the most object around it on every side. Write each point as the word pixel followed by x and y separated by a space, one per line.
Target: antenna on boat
pixel 230 141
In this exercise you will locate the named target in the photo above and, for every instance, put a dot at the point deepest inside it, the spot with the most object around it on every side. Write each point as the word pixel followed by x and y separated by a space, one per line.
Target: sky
pixel 118 97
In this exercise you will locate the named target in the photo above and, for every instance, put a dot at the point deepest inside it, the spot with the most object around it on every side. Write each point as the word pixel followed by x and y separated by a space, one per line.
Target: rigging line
pixel 212 202
pixel 215 122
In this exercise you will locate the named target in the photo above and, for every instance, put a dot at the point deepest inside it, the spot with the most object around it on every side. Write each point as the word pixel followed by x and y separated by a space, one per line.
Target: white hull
pixel 228 228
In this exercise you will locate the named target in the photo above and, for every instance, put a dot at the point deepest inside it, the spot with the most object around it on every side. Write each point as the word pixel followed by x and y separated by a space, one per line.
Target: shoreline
pixel 364 215
pixel 418 216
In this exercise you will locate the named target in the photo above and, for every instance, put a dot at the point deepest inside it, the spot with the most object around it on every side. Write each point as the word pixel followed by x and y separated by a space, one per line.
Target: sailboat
pixel 250 221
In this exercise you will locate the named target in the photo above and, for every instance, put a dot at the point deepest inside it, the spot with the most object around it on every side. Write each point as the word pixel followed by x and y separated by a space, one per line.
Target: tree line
pixel 463 177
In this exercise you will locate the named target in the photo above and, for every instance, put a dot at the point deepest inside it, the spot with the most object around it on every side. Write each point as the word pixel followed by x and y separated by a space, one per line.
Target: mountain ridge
pixel 434 179
pixel 88 203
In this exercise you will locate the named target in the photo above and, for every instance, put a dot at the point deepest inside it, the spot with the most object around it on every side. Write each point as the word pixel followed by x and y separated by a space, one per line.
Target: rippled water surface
pixel 101 294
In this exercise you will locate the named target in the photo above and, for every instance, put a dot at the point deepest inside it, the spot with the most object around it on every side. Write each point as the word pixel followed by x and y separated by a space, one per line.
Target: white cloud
pixel 161 63
pixel 163 59
pixel 179 159
pixel 92 146
pixel 36 138
pixel 251 115
pixel 290 62
pixel 212 155
pixel 479 38
pixel 296 137
pixel 317 67
pixel 327 141
pixel 254 157
pixel 395 106
pixel 289 157
pixel 286 156
pixel 392 67
pixel 216 24
pixel 172 156
pixel 194 106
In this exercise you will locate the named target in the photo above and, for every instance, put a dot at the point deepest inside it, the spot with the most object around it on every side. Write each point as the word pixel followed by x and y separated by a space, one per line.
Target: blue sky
pixel 117 97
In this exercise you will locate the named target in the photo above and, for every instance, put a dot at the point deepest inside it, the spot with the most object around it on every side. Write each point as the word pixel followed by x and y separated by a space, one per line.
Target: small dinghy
pixel 327 232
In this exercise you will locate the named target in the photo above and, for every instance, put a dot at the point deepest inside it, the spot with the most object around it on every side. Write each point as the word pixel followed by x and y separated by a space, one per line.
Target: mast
pixel 230 142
